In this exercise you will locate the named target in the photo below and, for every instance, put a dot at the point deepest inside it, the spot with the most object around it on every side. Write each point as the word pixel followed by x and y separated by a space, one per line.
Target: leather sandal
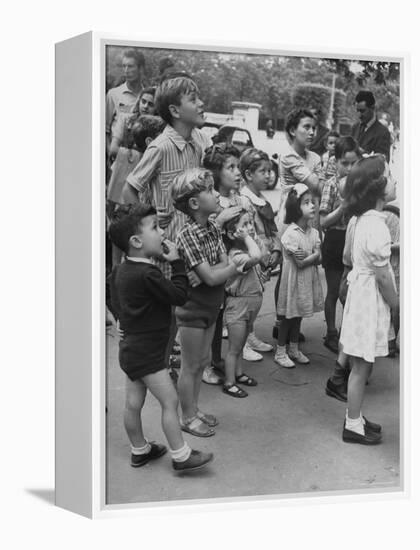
pixel 234 390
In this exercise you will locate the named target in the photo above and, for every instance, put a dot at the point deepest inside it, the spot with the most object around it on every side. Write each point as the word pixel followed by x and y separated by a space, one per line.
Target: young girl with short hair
pixel 300 292
pixel 371 295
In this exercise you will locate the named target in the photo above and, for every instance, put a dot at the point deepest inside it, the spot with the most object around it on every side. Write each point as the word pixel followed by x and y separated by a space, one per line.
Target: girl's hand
pixel 193 279
pixel 227 214
pixel 300 254
pixel 274 259
pixel 241 234
pixel 170 251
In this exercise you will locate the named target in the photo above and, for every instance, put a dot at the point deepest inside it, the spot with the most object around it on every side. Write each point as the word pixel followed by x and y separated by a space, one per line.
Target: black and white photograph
pixel 252 214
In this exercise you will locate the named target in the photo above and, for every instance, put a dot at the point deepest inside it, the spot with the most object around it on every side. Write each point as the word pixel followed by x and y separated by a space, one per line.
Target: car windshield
pixel 241 137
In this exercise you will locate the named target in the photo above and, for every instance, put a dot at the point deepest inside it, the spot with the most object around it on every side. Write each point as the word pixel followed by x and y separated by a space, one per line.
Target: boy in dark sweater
pixel 142 299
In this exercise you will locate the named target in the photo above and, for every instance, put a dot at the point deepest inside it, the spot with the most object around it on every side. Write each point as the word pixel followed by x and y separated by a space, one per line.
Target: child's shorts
pixel 332 249
pixel 143 354
pixel 242 310
pixel 202 307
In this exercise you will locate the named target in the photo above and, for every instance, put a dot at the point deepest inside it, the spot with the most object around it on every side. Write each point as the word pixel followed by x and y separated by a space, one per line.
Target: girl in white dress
pixel 371 288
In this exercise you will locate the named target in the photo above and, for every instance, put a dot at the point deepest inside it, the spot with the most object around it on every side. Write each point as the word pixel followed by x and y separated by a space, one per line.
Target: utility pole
pixel 330 118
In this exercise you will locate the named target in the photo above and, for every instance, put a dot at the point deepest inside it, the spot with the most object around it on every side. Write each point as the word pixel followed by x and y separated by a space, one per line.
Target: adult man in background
pixel 370 134
pixel 121 100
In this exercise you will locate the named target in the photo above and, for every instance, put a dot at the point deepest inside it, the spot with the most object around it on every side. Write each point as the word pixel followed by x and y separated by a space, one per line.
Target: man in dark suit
pixel 370 134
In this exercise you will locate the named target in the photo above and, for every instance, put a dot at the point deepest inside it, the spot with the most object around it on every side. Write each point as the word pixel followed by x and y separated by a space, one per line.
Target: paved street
pixel 284 438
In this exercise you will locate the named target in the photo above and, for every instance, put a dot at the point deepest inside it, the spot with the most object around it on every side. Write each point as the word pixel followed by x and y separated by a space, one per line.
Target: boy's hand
pixel 164 218
pixel 119 331
pixel 193 279
pixel 241 234
pixel 170 251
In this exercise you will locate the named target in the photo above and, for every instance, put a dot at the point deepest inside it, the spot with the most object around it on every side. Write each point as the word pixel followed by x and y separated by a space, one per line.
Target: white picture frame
pixel 80 281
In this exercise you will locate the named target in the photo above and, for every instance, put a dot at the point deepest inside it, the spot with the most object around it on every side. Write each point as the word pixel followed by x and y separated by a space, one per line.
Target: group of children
pixel 200 241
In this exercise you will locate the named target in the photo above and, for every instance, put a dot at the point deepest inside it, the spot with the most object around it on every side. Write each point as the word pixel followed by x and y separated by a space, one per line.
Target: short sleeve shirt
pixel 296 169
pixel 119 100
pixel 198 244
pixel 245 282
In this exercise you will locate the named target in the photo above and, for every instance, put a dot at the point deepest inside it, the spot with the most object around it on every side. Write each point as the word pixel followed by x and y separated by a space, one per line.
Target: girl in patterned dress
pixel 300 293
pixel 371 294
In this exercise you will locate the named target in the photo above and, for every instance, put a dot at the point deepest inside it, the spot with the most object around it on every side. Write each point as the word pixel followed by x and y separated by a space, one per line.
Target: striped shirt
pixel 166 157
pixel 198 244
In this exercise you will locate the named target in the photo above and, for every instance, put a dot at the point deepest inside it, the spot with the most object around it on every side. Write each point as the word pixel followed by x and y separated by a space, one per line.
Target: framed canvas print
pixel 229 249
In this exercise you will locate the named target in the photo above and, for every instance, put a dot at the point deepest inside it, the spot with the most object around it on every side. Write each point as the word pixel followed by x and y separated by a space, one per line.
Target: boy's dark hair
pixel 188 184
pixel 136 54
pixel 346 144
pixel 215 158
pixel 293 210
pixel 365 184
pixel 126 222
pixel 251 159
pixel 230 226
pixel 293 119
pixel 366 96
pixel 170 90
pixel 146 126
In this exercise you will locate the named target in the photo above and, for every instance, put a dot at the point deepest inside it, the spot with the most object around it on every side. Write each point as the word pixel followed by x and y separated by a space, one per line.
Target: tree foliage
pixel 275 82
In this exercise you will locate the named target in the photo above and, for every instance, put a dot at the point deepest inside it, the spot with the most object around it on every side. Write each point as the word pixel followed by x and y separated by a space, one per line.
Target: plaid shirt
pixel 330 200
pixel 198 244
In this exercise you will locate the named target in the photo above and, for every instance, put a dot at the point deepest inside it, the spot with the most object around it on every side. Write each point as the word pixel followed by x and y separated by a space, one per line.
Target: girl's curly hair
pixel 365 184
pixel 215 158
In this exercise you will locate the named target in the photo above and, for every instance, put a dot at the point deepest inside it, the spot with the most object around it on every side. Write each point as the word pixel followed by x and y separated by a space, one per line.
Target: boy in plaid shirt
pixel 200 245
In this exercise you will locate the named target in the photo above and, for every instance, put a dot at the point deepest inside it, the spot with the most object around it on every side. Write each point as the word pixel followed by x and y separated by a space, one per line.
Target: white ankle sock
pixel 293 347
pixel 355 424
pixel 182 454
pixel 141 450
pixel 281 350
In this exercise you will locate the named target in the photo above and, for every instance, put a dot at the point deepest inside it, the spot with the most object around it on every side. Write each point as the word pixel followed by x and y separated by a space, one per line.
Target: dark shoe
pixel 156 451
pixel 196 460
pixel 372 426
pixel 331 342
pixel 370 438
pixel 337 391
pixel 246 380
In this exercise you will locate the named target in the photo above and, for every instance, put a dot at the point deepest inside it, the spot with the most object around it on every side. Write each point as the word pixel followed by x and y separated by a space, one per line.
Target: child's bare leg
pixel 237 334
pixel 161 387
pixel 208 335
pixel 192 341
pixel 135 394
pixel 359 374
